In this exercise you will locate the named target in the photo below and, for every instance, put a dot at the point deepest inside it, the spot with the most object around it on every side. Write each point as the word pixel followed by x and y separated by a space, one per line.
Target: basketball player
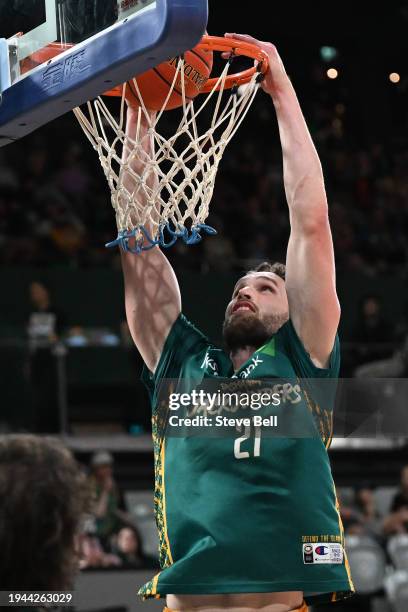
pixel 240 530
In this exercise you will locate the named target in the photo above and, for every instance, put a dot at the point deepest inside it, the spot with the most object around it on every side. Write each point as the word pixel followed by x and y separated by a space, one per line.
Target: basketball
pixel 155 84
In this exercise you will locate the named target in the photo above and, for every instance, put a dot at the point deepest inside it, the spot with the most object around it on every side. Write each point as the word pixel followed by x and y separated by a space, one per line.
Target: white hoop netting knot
pixel 161 187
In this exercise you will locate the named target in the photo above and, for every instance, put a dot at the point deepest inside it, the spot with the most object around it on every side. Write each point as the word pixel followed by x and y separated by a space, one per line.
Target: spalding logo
pixel 321 550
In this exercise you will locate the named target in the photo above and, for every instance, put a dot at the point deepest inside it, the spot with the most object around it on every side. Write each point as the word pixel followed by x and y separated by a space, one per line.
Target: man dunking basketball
pixel 242 530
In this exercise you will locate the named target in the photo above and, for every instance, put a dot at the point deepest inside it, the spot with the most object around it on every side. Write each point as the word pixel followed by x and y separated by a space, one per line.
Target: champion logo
pixel 323 554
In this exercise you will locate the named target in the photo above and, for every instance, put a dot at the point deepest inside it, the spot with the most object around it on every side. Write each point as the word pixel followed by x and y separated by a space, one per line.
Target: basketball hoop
pixel 169 198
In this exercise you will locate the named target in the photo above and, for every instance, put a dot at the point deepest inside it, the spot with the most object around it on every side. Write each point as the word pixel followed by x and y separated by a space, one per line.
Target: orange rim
pixel 208 43
pixel 224 45
pixel 236 48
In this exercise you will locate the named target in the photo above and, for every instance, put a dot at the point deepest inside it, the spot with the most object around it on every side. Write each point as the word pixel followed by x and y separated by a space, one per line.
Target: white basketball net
pixel 162 189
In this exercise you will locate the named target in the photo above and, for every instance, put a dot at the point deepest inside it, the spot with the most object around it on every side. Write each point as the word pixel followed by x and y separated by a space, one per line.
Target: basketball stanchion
pixel 174 205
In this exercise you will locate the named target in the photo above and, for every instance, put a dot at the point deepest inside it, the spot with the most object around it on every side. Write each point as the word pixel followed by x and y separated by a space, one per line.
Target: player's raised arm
pixel 152 295
pixel 310 271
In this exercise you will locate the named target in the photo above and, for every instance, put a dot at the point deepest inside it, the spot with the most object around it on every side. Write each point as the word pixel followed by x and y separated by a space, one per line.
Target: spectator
pixel 370 521
pixel 401 498
pixel 361 517
pixel 128 547
pixel 44 321
pixel 108 509
pixel 67 233
pixel 93 555
pixel 43 497
pixel 44 327
pixel 397 520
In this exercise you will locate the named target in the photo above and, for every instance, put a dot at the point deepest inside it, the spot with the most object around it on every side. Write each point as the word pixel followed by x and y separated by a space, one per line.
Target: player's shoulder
pixel 183 329
pixel 184 339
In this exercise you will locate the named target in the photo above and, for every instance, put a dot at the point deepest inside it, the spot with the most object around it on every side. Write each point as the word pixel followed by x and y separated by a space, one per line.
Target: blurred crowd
pixel 376 512
pixel 110 536
pixel 375 520
pixel 55 203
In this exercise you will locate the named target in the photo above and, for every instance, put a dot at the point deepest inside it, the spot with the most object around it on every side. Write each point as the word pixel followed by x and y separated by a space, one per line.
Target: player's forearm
pixel 139 178
pixel 302 171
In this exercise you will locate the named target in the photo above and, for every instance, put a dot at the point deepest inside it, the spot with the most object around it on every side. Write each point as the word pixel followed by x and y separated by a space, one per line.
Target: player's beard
pixel 241 331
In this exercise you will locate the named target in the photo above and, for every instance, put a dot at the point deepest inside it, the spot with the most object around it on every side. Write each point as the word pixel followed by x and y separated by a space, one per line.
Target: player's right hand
pixel 276 79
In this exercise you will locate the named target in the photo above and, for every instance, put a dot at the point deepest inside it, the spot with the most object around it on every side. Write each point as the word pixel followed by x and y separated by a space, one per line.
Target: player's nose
pixel 245 293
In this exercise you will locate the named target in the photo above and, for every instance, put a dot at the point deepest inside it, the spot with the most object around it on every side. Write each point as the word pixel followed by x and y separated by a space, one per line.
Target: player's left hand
pixel 276 79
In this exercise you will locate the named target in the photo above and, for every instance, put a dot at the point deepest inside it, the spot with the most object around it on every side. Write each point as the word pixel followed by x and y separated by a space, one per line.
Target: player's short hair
pixel 266 266
pixel 43 497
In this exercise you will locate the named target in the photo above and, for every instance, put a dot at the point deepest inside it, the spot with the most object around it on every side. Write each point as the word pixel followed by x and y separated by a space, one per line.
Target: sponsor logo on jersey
pixel 210 364
pixel 255 361
pixel 321 550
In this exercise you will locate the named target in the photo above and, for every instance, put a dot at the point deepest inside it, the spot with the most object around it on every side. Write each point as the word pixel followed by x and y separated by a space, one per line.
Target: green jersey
pixel 264 519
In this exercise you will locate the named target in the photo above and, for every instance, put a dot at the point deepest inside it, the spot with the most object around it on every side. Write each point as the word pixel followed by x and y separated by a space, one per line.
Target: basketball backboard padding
pixel 5 80
pixel 103 61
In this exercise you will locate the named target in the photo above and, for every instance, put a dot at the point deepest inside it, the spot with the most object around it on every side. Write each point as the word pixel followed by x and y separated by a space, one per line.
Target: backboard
pixel 57 54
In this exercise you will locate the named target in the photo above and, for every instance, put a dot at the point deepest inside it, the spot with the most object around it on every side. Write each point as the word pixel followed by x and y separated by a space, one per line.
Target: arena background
pixel 55 217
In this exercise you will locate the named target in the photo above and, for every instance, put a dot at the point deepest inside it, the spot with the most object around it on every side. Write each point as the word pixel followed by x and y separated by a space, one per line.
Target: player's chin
pixel 241 316
pixel 242 319
pixel 244 328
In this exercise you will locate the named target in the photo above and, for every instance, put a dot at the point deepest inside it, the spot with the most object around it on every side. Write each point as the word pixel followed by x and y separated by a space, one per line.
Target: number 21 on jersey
pixel 253 445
